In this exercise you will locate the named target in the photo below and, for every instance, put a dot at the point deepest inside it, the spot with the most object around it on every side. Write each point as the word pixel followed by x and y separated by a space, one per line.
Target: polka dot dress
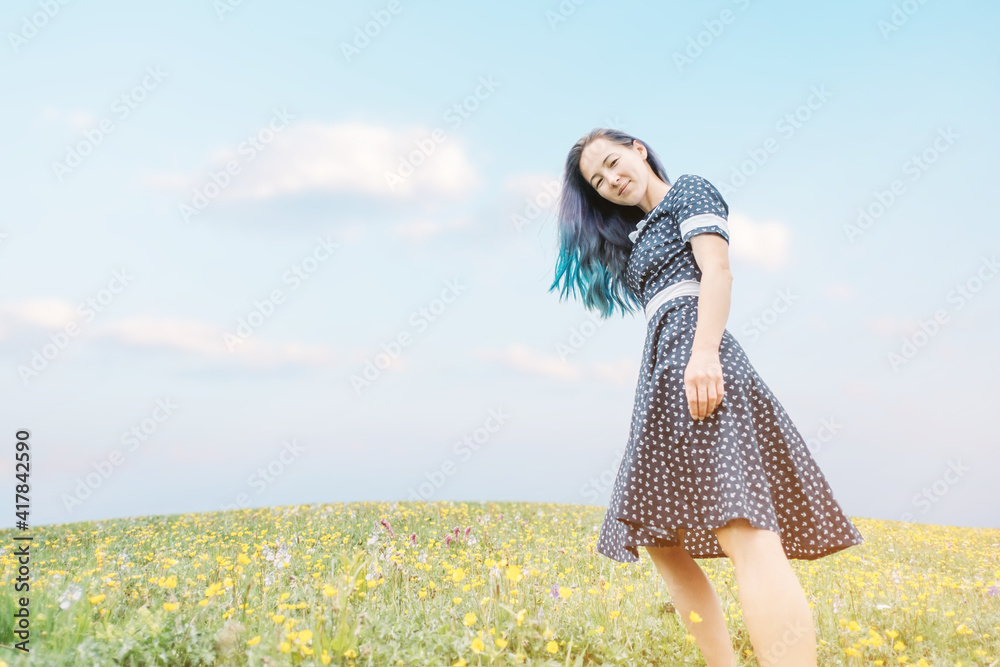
pixel 746 459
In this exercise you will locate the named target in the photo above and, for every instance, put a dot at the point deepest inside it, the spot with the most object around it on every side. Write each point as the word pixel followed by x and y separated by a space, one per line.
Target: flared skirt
pixel 745 460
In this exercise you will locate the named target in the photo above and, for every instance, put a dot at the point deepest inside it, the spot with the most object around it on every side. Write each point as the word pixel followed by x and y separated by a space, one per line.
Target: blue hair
pixel 594 246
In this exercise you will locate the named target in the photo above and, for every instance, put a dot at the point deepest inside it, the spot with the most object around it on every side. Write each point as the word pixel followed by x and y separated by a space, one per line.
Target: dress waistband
pixel 680 288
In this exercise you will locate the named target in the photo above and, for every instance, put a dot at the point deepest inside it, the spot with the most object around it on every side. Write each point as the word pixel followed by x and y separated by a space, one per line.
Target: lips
pixel 622 191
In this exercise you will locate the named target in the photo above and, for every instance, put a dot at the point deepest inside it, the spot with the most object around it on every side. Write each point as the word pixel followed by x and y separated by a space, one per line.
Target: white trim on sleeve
pixel 703 220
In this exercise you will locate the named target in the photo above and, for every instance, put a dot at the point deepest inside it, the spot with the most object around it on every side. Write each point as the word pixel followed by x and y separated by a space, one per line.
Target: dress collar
pixel 657 213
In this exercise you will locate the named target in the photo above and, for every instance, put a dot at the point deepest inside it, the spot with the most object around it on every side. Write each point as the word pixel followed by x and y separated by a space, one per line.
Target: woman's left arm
pixel 703 378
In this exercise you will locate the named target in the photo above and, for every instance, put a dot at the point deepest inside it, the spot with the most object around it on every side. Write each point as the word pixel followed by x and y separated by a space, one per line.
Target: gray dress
pixel 746 459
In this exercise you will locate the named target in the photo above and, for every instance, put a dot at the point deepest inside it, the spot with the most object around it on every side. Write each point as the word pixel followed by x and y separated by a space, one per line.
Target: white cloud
pixel 839 291
pixel 166 332
pixel 421 229
pixel 350 157
pixel 818 323
pixel 891 326
pixel 533 184
pixel 77 119
pixel 171 333
pixel 862 390
pixel 532 362
pixel 621 372
pixel 36 313
pixel 259 353
pixel 208 340
pixel 764 244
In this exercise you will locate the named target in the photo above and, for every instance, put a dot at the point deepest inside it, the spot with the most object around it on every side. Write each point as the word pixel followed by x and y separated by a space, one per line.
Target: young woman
pixel 714 467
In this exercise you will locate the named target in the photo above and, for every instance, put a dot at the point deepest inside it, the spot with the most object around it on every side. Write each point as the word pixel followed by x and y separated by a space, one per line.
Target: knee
pixel 739 535
pixel 668 555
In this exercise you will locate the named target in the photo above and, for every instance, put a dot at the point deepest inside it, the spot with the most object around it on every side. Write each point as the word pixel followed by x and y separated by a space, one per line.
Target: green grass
pixel 519 585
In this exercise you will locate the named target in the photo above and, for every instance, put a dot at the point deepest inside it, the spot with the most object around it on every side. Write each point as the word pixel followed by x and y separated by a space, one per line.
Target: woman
pixel 714 467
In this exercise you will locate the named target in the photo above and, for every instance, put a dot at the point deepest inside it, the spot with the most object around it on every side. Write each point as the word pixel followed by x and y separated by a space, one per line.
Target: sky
pixel 258 253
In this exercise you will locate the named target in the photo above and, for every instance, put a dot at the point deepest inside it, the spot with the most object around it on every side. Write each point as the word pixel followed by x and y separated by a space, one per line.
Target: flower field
pixel 449 583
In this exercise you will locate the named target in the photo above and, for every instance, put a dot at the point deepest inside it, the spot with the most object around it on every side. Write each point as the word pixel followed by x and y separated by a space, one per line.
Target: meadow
pixel 461 584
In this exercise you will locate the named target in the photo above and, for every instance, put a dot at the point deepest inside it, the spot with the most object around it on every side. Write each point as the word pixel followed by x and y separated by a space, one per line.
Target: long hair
pixel 594 246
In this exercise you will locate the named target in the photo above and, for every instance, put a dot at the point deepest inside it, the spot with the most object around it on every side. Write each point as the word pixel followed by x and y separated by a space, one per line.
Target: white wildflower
pixel 69 596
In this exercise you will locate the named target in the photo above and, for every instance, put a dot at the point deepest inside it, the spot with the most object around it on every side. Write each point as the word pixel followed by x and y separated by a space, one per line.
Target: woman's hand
pixel 703 383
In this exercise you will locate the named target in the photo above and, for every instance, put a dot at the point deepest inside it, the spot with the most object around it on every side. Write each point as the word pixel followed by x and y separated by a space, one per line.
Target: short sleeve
pixel 703 210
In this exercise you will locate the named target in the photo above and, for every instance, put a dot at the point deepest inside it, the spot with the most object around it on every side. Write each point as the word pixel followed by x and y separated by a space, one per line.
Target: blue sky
pixel 118 115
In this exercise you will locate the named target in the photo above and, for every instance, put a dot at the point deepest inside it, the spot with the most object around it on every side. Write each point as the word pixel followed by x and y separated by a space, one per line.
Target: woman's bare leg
pixel 775 609
pixel 691 590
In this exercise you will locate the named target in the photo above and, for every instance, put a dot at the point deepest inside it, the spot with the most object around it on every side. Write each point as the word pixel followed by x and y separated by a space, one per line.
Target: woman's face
pixel 618 173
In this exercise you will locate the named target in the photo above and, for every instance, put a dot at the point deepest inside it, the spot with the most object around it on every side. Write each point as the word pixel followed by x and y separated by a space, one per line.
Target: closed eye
pixel 613 163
